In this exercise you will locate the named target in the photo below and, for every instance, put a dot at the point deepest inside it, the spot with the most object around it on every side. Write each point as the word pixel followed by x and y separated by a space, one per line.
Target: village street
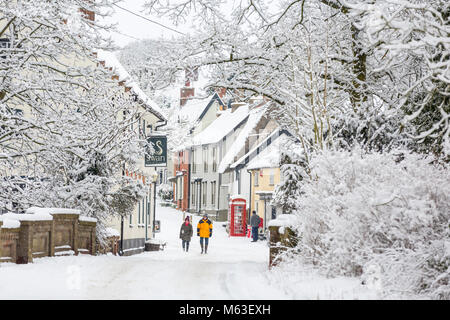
pixel 233 269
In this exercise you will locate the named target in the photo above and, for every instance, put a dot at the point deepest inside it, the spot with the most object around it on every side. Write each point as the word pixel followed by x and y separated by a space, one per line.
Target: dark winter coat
pixel 255 220
pixel 186 232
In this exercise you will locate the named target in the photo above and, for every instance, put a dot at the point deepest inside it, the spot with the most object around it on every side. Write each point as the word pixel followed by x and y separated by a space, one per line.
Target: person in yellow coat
pixel 204 231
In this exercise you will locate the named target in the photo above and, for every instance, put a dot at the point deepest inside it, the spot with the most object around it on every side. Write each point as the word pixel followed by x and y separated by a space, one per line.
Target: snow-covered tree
pixel 413 48
pixel 288 191
pixel 319 60
pixel 66 125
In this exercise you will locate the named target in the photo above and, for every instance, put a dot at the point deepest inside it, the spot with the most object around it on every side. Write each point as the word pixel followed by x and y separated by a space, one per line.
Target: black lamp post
pixel 121 237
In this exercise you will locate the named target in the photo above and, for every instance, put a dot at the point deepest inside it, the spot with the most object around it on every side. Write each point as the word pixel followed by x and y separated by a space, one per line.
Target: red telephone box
pixel 237 217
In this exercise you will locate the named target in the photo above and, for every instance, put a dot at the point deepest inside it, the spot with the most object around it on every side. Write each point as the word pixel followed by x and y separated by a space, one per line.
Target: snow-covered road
pixel 234 268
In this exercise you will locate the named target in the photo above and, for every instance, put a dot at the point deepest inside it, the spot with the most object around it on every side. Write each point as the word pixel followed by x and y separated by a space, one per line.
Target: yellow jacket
pixel 204 228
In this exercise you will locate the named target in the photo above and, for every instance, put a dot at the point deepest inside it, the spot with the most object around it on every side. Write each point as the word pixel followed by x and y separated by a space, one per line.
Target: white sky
pixel 129 25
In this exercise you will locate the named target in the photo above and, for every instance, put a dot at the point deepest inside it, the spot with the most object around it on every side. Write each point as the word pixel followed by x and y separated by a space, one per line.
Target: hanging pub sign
pixel 156 151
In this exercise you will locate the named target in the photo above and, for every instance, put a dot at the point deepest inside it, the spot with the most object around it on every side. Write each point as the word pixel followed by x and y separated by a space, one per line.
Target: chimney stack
pixel 221 92
pixel 87 14
pixel 190 75
pixel 185 94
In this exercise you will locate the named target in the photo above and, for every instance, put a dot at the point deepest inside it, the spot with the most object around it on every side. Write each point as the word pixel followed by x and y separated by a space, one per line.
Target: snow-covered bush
pixel 388 210
pixel 165 192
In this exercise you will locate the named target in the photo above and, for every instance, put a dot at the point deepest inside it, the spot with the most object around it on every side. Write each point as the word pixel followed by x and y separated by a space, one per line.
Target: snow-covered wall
pixel 44 232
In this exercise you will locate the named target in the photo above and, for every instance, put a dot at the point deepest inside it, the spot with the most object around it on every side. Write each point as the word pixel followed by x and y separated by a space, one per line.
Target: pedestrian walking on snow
pixel 204 231
pixel 254 223
pixel 186 234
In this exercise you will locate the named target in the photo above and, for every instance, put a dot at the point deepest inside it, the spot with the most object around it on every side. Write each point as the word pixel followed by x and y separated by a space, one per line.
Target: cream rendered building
pixel 137 228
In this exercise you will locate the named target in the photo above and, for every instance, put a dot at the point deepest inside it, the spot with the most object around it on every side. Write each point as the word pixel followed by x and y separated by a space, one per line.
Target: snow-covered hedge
pixel 387 210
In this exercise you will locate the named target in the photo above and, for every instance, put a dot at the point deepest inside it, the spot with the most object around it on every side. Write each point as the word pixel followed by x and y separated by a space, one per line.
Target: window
pixel 143 211
pixel 147 208
pixel 213 193
pixel 204 192
pixel 256 179
pixel 194 168
pixel 180 160
pixel 139 127
pixel 192 193
pixel 214 159
pixel 139 213
pixel 272 177
pixel 205 159
pixel 4 44
pixel 182 187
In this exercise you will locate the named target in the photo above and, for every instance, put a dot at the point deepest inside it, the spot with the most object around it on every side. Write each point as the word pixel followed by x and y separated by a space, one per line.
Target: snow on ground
pixel 234 268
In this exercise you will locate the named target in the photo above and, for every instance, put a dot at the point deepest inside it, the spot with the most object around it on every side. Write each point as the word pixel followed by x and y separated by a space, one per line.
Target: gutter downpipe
pixel 218 193
pixel 200 197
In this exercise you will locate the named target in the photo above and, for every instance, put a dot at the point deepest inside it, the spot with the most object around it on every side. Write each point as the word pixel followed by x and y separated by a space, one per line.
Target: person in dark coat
pixel 186 234
pixel 254 223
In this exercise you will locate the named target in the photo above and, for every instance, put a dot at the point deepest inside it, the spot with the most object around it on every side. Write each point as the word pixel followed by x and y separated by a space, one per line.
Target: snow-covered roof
pixel 270 157
pixel 253 119
pixel 280 141
pixel 275 133
pixel 111 61
pixel 192 110
pixel 221 126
